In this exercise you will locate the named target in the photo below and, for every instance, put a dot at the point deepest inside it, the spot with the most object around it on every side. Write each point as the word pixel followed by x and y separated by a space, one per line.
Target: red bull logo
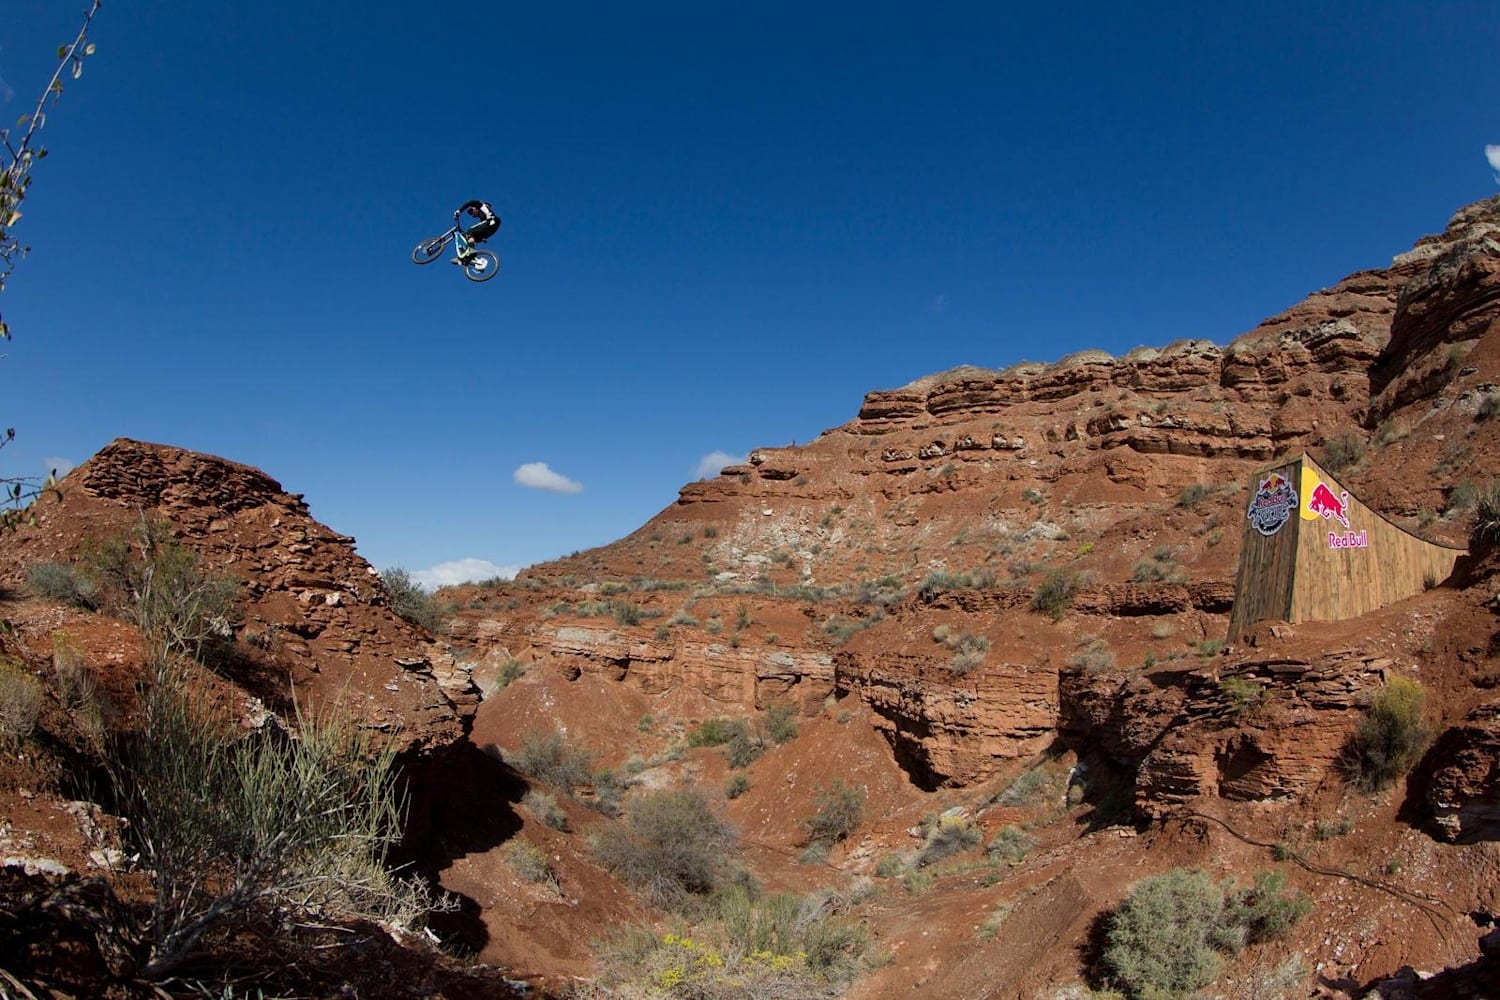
pixel 1323 502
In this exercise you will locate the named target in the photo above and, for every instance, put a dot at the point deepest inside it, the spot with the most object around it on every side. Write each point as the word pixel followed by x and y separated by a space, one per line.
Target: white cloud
pixel 60 465
pixel 459 571
pixel 538 476
pixel 1492 153
pixel 710 464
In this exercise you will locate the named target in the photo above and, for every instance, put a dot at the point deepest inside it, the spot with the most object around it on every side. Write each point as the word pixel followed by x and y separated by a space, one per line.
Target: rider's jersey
pixel 480 210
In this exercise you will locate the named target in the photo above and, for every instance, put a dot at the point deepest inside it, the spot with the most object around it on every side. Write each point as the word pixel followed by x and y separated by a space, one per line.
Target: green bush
pixel 545 808
pixel 1242 694
pixel 511 670
pixel 1193 495
pixel 20 703
pixel 1164 940
pixel 840 807
pixel 737 785
pixel 1265 910
pixel 1094 658
pixel 948 836
pixel 255 828
pixel 1055 596
pixel 714 732
pixel 151 578
pixel 1160 567
pixel 673 845
pixel 551 760
pixel 744 746
pixel 1343 451
pixel 781 723
pixel 1391 737
pixel 782 947
pixel 1161 940
pixel 410 602
pixel 972 652
pixel 1011 844
pixel 63 582
pixel 529 863
pixel 1486 515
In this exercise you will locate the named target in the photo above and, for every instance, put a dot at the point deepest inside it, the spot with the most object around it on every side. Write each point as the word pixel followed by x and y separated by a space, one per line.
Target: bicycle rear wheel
pixel 482 265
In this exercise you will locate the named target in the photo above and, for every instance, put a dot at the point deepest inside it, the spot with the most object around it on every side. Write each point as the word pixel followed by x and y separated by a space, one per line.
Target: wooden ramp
pixel 1312 552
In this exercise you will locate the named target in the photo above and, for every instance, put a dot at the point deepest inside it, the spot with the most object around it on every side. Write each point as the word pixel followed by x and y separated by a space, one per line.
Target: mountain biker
pixel 483 229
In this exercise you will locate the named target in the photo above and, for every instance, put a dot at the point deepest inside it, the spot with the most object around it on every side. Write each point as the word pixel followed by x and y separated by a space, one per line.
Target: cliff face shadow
pixel 460 801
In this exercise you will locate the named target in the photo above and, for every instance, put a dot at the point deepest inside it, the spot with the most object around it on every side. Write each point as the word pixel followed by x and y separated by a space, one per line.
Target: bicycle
pixel 479 265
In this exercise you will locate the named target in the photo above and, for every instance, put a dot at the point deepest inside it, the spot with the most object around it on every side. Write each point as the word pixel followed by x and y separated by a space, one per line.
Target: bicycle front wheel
pixel 429 250
pixel 482 265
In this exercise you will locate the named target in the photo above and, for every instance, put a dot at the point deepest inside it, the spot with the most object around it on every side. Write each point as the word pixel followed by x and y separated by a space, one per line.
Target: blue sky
pixel 722 225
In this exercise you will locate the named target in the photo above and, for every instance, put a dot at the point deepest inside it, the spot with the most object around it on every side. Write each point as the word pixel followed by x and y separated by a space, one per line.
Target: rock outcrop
pixel 314 610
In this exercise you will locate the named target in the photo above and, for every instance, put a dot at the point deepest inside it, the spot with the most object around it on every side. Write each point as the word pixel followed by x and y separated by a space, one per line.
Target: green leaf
pixel 22 120
pixel 62 50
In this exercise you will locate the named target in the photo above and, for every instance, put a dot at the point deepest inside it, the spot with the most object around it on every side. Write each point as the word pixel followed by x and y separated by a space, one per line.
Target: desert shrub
pixel 80 692
pixel 625 613
pixel 1461 498
pixel 672 845
pixel 890 866
pixel 781 947
pixel 1164 940
pixel 1095 657
pixel 1160 942
pixel 511 670
pixel 781 723
pixel 1193 495
pixel 1489 405
pixel 940 580
pixel 714 732
pixel 682 618
pixel 545 808
pixel 1389 431
pixel 1343 451
pixel 20 702
pixel 1487 514
pixel 1391 737
pixel 1028 788
pixel 948 836
pixel 744 746
pixel 1159 567
pixel 154 580
pixel 550 759
pixel 1210 647
pixel 231 827
pixel 63 582
pixel 1328 829
pixel 410 602
pixel 840 807
pixel 885 591
pixel 529 863
pixel 1011 844
pixel 1242 694
pixel 1055 595
pixel 971 652
pixel 737 785
pixel 1265 910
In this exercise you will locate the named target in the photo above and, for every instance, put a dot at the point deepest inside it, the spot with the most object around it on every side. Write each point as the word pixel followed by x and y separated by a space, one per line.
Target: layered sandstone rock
pixel 314 610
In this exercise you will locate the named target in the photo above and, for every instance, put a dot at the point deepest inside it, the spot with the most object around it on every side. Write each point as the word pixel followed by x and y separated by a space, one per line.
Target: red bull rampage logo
pixel 1272 505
